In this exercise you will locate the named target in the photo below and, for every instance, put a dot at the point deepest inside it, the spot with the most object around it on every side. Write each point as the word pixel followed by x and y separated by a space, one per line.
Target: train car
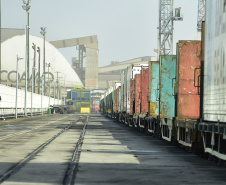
pixel 167 76
pixel 137 91
pixel 132 70
pixel 116 98
pixel 77 96
pixel 128 74
pixel 102 104
pixel 186 97
pixel 109 102
pixel 122 110
pixel 132 101
pixel 187 90
pixel 213 127
pixel 144 86
pixel 153 98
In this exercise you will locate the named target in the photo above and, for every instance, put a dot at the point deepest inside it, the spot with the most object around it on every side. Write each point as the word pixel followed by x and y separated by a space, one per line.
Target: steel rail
pixel 29 157
pixel 73 165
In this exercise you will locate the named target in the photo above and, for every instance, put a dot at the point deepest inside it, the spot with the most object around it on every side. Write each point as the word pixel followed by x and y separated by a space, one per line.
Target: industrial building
pixel 57 68
pixel 109 74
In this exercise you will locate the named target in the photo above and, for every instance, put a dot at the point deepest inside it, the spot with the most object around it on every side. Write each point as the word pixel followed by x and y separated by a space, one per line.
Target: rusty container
pixel 116 100
pixel 144 90
pixel 167 77
pixel 188 80
pixel 137 92
pixel 153 89
pixel 132 97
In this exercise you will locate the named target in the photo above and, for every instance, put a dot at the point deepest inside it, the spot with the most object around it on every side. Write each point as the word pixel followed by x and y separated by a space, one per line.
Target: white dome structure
pixel 58 64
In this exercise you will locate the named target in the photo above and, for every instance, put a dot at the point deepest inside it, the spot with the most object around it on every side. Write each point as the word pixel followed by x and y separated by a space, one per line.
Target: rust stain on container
pixel 144 90
pixel 153 107
pixel 116 100
pixel 189 63
pixel 153 88
pixel 137 93
pixel 132 97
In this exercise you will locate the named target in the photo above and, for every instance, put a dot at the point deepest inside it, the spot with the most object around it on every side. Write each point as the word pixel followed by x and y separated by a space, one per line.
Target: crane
pixel 166 19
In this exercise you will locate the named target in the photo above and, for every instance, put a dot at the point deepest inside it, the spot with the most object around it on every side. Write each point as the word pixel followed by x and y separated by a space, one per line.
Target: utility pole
pixel 39 67
pixel 166 20
pixel 43 32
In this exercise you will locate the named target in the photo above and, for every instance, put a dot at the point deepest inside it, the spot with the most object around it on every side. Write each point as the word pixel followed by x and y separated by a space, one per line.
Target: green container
pixel 49 111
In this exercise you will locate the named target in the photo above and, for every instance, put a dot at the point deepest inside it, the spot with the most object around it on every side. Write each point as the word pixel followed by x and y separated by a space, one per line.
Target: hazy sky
pixel 126 29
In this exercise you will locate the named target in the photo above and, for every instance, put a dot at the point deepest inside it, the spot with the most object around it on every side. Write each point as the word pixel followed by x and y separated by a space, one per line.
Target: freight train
pixel 180 98
pixel 80 99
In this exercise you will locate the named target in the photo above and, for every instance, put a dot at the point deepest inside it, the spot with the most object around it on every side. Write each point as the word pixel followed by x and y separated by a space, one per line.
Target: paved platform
pixel 111 153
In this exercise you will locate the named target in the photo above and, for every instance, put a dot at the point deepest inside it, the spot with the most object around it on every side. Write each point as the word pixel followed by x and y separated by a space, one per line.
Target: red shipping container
pixel 132 97
pixel 144 90
pixel 137 94
pixel 189 63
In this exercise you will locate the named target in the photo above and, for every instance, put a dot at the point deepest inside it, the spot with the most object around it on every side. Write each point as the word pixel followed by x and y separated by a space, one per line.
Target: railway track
pixel 70 173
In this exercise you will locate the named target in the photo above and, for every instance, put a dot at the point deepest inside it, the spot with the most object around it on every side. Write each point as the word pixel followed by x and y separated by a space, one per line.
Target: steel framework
pixel 201 14
pixel 165 27
pixel 166 19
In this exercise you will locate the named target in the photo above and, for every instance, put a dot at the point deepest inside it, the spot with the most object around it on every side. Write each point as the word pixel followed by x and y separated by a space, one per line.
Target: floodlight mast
pixel 26 7
pixel 43 33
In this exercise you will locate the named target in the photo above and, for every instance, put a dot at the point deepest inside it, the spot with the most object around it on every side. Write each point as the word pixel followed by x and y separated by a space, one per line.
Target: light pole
pixel 17 83
pixel 39 67
pixel 43 32
pixel 34 65
pixel 48 65
pixel 26 7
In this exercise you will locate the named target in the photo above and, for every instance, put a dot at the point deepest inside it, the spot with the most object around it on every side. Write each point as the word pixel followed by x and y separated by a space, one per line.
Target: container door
pixel 144 90
pixel 189 68
pixel 154 89
pixel 137 94
pixel 167 79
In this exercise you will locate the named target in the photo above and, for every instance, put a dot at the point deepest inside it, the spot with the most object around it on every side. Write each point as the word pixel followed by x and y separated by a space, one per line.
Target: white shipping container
pixel 116 85
pixel 121 90
pixel 215 64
